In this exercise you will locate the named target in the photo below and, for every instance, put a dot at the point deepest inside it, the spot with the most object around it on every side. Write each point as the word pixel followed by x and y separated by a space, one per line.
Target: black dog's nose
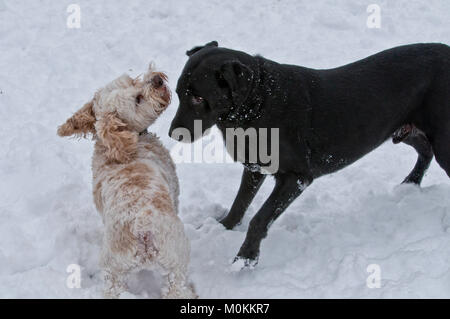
pixel 176 137
pixel 157 81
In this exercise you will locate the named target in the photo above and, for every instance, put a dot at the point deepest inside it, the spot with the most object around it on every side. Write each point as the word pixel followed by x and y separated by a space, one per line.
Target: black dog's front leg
pixel 287 188
pixel 250 184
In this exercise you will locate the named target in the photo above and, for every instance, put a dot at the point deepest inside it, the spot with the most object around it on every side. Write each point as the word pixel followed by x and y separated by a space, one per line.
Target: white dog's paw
pixel 115 285
pixel 179 291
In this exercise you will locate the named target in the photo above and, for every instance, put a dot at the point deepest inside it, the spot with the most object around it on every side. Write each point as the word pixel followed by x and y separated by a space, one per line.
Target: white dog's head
pixel 119 112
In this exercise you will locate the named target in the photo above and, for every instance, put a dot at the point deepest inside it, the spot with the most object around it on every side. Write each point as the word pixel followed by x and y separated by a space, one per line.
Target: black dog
pixel 327 119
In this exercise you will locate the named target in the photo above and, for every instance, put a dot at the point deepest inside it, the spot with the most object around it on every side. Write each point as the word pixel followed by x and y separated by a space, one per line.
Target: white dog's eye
pixel 139 98
pixel 197 99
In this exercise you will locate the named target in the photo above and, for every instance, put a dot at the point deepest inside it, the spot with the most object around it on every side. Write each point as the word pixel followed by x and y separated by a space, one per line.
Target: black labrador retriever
pixel 327 119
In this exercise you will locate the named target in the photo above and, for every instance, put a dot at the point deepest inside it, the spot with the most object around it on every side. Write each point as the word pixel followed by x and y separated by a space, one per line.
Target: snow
pixel 320 247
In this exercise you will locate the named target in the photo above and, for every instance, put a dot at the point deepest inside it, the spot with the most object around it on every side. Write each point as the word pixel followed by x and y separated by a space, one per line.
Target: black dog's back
pixel 358 106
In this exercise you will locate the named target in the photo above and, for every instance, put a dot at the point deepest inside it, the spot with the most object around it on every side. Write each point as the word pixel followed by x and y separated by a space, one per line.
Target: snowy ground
pixel 323 243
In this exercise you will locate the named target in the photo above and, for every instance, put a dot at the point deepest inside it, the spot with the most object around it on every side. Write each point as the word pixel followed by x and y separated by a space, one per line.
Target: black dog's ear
pixel 239 78
pixel 210 44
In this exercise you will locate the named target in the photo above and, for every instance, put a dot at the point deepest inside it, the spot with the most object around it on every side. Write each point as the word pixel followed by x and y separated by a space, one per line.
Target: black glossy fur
pixel 327 119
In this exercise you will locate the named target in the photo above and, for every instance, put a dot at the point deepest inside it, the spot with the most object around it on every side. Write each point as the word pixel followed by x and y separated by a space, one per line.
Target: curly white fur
pixel 135 186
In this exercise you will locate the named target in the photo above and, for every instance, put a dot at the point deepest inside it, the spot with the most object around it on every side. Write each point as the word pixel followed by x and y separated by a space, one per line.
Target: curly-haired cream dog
pixel 135 186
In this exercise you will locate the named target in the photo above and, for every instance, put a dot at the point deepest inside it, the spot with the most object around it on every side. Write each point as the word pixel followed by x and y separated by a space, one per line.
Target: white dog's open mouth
pixel 165 94
pixel 156 86
pixel 158 83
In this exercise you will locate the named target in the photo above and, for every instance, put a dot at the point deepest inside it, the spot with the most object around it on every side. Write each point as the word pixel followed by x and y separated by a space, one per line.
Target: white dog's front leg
pixel 114 276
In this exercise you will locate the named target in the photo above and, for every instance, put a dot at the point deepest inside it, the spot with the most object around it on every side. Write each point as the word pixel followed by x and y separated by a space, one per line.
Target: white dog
pixel 134 183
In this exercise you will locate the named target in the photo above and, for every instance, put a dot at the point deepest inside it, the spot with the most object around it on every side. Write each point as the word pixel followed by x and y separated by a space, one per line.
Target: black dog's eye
pixel 197 100
pixel 139 98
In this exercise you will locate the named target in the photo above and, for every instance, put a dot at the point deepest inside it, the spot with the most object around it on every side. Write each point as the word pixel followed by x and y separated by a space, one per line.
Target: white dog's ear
pixel 119 141
pixel 80 124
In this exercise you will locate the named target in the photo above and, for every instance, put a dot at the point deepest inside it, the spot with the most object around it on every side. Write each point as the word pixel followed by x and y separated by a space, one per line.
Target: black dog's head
pixel 212 81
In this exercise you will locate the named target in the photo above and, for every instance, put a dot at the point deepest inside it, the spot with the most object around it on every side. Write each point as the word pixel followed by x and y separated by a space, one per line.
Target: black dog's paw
pixel 228 222
pixel 217 211
pixel 242 263
pixel 198 48
pixel 414 180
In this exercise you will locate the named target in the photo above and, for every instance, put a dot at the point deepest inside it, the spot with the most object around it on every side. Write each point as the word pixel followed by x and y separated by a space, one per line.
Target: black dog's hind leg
pixel 250 184
pixel 414 137
pixel 425 151
pixel 287 188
